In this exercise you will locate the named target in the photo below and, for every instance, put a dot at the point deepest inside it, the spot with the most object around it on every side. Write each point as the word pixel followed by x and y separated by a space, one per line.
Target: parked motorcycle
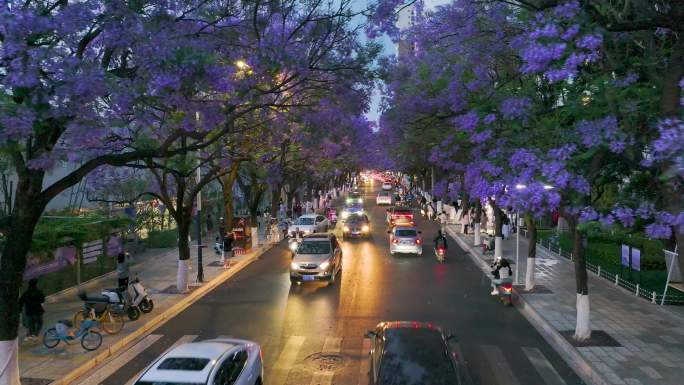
pixel 132 299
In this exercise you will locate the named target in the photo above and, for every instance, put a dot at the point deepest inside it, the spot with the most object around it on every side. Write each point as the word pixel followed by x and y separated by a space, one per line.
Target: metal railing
pixel 553 246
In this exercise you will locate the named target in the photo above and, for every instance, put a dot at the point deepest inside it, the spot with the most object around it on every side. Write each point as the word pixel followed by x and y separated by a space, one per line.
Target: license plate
pixel 308 278
pixel 406 242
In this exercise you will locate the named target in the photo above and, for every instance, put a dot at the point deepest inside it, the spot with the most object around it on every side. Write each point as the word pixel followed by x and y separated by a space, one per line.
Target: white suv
pixel 405 239
pixel 383 198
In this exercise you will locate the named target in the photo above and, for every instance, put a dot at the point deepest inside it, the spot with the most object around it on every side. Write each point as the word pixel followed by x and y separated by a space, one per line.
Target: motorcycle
pixel 440 254
pixel 505 288
pixel 293 244
pixel 132 299
pixel 140 297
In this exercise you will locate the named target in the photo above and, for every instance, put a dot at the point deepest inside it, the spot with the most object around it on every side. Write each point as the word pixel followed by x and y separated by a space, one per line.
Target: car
pixel 356 226
pixel 215 361
pixel 352 210
pixel 354 197
pixel 387 186
pixel 414 353
pixel 397 213
pixel 405 239
pixel 318 258
pixel 383 198
pixel 309 224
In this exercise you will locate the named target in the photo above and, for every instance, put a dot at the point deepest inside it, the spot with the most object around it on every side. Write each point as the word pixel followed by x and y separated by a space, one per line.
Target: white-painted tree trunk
pixel 182 277
pixel 583 326
pixel 497 247
pixel 477 238
pixel 529 274
pixel 314 203
pixel 9 362
pixel 255 237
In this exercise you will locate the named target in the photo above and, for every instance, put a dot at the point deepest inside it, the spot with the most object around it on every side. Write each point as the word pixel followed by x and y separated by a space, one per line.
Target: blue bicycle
pixel 65 332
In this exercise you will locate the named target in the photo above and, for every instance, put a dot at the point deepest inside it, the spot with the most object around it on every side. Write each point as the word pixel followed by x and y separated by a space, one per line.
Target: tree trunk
pixel 183 223
pixel 583 325
pixel 27 210
pixel 227 183
pixel 498 224
pixel 476 224
pixel 275 199
pixel 531 250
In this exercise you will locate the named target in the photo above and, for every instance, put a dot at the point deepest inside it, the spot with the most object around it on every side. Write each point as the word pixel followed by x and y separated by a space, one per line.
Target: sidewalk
pixel 633 341
pixel 39 365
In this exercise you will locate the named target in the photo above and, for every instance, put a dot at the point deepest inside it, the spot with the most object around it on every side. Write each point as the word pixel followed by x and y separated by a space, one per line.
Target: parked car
pixel 405 239
pixel 318 258
pixel 356 226
pixel 415 353
pixel 216 361
pixel 309 224
pixel 383 198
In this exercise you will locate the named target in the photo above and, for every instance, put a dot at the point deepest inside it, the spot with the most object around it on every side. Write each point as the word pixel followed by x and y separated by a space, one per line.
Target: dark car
pixel 356 226
pixel 414 353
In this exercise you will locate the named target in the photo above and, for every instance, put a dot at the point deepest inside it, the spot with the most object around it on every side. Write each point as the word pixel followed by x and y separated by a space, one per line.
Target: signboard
pixel 624 261
pixel 114 246
pixel 64 256
pixel 636 259
pixel 92 250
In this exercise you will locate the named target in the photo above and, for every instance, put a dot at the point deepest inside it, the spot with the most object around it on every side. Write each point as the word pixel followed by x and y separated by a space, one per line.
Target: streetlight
pixel 200 268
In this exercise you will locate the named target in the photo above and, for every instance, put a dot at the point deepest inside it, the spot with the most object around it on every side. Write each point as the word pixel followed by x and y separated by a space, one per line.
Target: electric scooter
pixel 505 289
pixel 440 254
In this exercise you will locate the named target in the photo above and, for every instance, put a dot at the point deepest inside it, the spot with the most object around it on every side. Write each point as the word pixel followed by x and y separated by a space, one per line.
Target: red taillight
pixel 395 240
pixel 508 287
pixel 440 251
pixel 418 242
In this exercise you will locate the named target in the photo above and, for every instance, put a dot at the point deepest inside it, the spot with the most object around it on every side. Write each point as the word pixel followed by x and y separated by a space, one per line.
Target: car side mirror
pixel 389 231
pixel 371 334
pixel 451 338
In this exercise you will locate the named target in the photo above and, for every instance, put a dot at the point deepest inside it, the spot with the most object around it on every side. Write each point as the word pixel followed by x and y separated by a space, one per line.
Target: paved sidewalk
pixel 649 338
pixel 39 365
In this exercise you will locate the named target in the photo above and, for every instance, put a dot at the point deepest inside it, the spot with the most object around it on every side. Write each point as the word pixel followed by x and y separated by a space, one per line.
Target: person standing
pixel 465 222
pixel 227 250
pixel 122 269
pixel 222 228
pixel 31 305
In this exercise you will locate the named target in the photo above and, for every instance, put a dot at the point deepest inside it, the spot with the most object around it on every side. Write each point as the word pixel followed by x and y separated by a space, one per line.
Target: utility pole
pixel 200 269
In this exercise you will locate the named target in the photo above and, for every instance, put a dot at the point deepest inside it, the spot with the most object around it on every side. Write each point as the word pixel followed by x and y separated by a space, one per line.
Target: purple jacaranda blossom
pixel 668 146
pixel 645 210
pixel 571 32
pixel 607 220
pixel 567 10
pixel 625 215
pixel 489 119
pixel 625 81
pixel 467 122
pixel 658 231
pixel 515 108
pixel 589 42
pixel 588 214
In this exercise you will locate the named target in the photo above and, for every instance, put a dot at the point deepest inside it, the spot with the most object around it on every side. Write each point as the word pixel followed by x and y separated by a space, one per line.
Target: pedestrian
pixel 210 226
pixel 31 306
pixel 443 218
pixel 227 249
pixel 122 270
pixel 505 227
pixel 222 228
pixel 465 222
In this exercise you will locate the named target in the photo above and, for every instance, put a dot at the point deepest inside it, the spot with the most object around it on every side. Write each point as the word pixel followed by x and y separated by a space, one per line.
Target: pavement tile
pixel 652 373
pixel 633 381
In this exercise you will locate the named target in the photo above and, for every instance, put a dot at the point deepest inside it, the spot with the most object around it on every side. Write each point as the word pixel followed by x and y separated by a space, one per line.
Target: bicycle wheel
pixel 78 318
pixel 91 340
pixel 50 338
pixel 112 323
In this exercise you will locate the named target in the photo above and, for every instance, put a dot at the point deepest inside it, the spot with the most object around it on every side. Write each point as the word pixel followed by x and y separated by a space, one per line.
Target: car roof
pixel 318 236
pixel 308 216
pixel 210 350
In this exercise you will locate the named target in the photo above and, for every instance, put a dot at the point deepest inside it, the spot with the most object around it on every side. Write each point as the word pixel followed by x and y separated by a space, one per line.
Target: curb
pixel 569 354
pixel 160 319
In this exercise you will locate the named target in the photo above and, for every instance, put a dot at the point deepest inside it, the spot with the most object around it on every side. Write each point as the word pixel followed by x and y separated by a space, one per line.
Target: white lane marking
pixel 365 362
pixel 286 360
pixel 325 377
pixel 112 366
pixel 543 366
pixel 502 371
pixel 183 340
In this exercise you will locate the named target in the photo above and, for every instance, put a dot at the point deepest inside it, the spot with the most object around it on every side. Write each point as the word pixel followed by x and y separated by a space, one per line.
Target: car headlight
pixel 324 265
pixel 345 214
pixel 346 228
pixel 294 266
pixel 365 228
pixel 307 231
pixel 293 246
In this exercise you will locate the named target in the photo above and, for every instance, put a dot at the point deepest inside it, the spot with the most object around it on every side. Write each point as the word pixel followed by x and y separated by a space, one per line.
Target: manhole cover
pixel 325 362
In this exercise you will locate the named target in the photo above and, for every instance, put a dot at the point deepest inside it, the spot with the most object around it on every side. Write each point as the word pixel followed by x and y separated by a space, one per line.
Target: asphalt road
pixel 296 323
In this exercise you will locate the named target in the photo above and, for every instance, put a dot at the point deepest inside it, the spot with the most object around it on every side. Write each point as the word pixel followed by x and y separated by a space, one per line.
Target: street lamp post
pixel 517 247
pixel 200 268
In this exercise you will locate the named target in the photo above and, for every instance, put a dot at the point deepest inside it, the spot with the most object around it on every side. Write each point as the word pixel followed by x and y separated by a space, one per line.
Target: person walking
pixel 465 222
pixel 122 269
pixel 31 306
pixel 227 250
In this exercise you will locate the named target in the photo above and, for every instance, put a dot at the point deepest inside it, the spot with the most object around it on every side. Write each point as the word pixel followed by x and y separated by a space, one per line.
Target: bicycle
pixel 65 332
pixel 100 312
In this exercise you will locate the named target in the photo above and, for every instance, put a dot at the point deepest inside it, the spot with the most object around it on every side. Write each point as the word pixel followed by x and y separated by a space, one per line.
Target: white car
pixel 386 186
pixel 383 198
pixel 216 361
pixel 309 224
pixel 405 239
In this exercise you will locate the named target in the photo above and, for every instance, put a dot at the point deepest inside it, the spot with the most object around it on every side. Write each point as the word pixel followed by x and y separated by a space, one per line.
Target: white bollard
pixel 616 280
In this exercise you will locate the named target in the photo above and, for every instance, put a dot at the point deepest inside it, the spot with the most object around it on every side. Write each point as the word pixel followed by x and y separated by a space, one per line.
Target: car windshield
pixel 384 194
pixel 166 383
pixel 416 357
pixel 405 233
pixel 402 212
pixel 304 221
pixel 355 195
pixel 314 247
pixel 355 220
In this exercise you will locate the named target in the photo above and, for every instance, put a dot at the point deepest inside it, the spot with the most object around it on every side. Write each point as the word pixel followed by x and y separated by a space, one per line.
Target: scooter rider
pixel 440 240
pixel 500 269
